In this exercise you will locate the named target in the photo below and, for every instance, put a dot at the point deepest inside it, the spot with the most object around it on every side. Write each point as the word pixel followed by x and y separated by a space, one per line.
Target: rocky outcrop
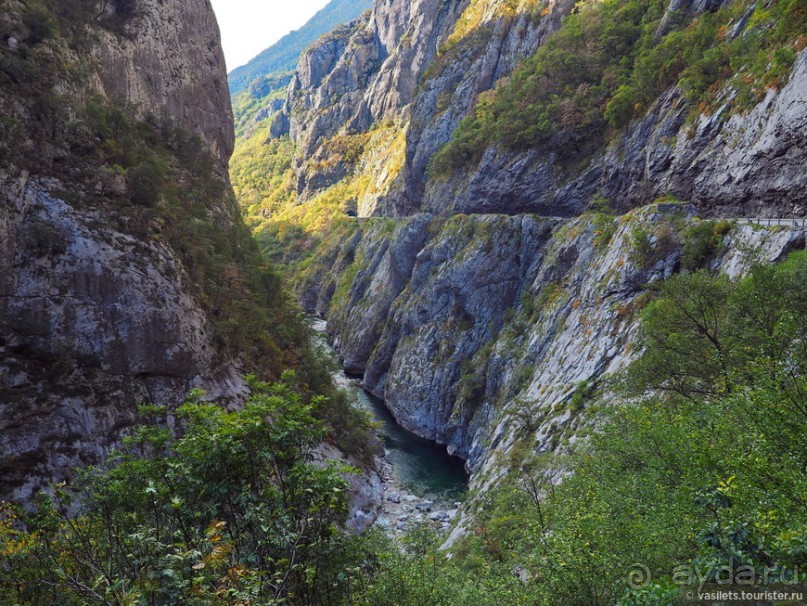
pixel 495 304
pixel 503 318
pixel 93 323
pixel 358 77
pixel 362 74
pixel 168 63
pixel 462 283
pixel 98 313
pixel 729 164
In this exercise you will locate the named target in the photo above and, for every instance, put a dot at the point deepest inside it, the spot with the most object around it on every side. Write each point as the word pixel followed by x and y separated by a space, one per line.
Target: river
pixel 413 466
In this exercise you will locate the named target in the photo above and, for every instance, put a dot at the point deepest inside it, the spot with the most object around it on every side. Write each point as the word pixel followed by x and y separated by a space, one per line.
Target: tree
pixel 231 510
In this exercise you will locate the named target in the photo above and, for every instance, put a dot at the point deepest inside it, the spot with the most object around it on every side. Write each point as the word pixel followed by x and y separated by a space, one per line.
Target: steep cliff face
pixel 478 328
pixel 491 303
pixel 94 322
pixel 282 56
pixel 166 61
pixel 730 164
pixel 448 56
pixel 363 74
pixel 114 200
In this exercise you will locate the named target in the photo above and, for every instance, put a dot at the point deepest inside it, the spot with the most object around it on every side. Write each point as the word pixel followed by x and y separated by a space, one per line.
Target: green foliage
pixel 702 243
pixel 262 175
pixel 228 511
pixel 607 65
pixel 550 294
pixel 601 204
pixel 583 392
pixel 146 182
pixel 684 332
pixel 40 24
pixel 292 235
pixel 604 229
pixel 649 248
pixel 640 240
pixel 555 96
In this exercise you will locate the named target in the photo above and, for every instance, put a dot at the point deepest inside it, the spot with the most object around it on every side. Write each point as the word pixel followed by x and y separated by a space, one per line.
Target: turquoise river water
pixel 420 467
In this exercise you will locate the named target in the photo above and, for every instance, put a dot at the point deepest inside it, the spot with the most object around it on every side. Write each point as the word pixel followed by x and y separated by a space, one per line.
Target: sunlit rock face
pixel 418 65
pixel 169 64
pixel 464 325
pixel 425 310
pixel 477 301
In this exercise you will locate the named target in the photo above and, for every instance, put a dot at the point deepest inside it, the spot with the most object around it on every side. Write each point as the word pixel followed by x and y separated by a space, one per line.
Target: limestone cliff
pixel 467 326
pixel 94 322
pixel 493 302
pixel 449 53
pixel 124 266
pixel 167 62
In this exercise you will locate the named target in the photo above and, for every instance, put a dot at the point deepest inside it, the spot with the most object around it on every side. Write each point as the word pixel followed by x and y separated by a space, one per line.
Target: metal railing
pixel 772 222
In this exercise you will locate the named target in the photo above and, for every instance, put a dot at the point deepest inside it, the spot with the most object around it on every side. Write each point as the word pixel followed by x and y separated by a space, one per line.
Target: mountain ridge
pixel 282 56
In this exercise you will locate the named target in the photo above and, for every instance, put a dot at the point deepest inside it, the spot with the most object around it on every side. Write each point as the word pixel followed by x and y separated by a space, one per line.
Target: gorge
pixel 511 282
pixel 524 223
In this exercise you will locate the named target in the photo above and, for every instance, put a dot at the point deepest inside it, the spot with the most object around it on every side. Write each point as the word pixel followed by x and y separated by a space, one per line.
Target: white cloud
pixel 249 26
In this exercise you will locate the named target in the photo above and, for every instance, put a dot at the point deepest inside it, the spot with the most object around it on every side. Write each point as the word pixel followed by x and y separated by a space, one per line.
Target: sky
pixel 249 26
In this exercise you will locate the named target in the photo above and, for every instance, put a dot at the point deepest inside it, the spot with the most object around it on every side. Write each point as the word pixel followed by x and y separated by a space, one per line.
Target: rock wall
pixel 478 329
pixel 730 164
pixel 169 64
pixel 94 323
pixel 487 306
pixel 95 317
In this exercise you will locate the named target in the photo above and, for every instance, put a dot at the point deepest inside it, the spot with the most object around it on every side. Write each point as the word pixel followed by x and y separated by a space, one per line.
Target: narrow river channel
pixel 418 467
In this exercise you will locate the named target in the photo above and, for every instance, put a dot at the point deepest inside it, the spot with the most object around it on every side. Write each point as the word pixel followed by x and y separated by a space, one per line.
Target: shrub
pixel 605 227
pixel 642 250
pixel 702 243
pixel 583 393
pixel 645 254
pixel 40 24
pixel 231 506
pixel 145 182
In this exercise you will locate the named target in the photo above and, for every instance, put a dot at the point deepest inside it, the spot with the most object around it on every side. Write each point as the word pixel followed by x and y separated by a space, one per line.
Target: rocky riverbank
pixel 408 493
pixel 399 511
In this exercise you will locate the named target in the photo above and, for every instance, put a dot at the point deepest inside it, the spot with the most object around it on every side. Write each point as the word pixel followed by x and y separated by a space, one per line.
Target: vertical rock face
pixel 94 323
pixel 475 329
pixel 98 315
pixel 475 326
pixel 738 165
pixel 449 53
pixel 362 74
pixel 462 283
pixel 169 64
pixel 485 305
